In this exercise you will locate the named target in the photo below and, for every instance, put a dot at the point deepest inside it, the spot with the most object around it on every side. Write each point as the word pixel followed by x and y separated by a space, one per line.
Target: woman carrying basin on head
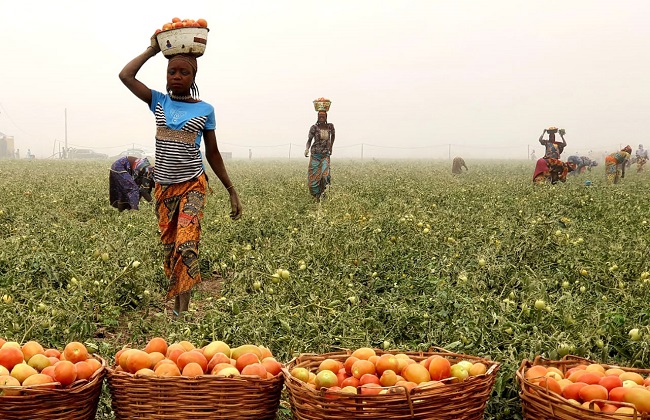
pixel 182 122
pixel 322 134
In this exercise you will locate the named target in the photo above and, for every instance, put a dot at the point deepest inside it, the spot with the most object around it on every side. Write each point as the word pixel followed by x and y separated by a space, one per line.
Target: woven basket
pixel 454 401
pixel 201 397
pixel 538 403
pixel 76 402
pixel 322 105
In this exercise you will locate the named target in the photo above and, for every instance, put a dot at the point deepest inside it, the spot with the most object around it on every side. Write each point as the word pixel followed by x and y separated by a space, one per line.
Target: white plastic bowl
pixel 183 41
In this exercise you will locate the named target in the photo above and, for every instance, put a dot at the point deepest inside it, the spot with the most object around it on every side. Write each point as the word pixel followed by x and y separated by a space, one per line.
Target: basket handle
pixel 539 360
pixel 570 357
pixel 409 401
pixel 439 350
pixel 621 403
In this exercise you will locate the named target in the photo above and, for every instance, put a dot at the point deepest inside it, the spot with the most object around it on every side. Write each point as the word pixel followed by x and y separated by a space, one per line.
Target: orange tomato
pixel 593 392
pixel 330 364
pixel 75 352
pixel 361 367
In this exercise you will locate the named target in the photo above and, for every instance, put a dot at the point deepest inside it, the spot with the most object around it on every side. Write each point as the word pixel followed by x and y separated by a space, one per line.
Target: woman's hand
pixel 306 152
pixel 235 205
pixel 154 43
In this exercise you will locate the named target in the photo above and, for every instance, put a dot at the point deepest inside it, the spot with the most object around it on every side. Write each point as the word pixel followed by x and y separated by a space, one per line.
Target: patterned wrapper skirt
pixel 179 208
pixel 122 189
pixel 318 174
pixel 611 169
pixel 541 174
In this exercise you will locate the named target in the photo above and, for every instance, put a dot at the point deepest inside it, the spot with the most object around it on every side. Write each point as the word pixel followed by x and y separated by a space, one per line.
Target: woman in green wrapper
pixel 322 134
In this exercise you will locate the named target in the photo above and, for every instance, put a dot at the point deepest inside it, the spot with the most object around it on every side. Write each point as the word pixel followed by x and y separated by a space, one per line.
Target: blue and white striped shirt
pixel 179 130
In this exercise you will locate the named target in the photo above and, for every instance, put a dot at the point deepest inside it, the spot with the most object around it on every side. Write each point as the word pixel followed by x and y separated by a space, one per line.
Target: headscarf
pixel 141 165
pixel 627 149
pixel 189 59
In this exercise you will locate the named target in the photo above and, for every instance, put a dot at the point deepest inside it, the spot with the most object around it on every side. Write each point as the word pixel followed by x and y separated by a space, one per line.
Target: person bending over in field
pixel 582 163
pixel 322 134
pixel 641 158
pixel 551 170
pixel 552 149
pixel 182 120
pixel 130 179
pixel 615 164
pixel 457 165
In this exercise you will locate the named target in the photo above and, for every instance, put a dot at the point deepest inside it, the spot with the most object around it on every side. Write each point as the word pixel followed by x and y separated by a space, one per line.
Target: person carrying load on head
pixel 182 120
pixel 552 149
pixel 322 135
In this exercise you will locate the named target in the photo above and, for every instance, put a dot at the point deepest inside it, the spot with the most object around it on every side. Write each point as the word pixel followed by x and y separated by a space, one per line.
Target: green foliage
pixel 401 252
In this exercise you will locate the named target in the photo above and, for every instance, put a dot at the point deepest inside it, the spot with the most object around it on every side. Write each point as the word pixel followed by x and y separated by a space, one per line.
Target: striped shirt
pixel 179 130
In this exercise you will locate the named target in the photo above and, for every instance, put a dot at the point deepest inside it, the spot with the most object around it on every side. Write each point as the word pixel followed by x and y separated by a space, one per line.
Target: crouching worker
pixel 129 179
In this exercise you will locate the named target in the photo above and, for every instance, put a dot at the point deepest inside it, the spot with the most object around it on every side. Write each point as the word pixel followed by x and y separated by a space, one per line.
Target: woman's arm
pixel 332 137
pixel 541 138
pixel 216 163
pixel 309 139
pixel 625 159
pixel 128 73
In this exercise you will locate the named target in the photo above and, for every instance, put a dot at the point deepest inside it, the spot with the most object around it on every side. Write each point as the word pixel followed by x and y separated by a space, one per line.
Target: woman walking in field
pixel 129 179
pixel 182 120
pixel 615 164
pixel 322 134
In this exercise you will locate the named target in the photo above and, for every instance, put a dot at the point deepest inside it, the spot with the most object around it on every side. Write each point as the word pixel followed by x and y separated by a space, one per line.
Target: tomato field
pixel 402 255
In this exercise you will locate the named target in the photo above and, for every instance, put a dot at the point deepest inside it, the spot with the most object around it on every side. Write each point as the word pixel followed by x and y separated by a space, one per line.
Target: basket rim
pixel 167 31
pixel 431 352
pixel 111 372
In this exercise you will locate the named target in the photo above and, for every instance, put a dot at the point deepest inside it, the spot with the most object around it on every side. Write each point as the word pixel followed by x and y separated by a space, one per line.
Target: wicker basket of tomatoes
pixel 581 389
pixel 375 384
pixel 180 381
pixel 50 384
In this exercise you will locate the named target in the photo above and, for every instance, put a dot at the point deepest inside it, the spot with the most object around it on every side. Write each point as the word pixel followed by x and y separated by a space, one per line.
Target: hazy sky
pixel 406 77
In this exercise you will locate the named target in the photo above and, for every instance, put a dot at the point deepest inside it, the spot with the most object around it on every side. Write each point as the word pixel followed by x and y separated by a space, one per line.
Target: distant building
pixel 85 154
pixel 6 146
